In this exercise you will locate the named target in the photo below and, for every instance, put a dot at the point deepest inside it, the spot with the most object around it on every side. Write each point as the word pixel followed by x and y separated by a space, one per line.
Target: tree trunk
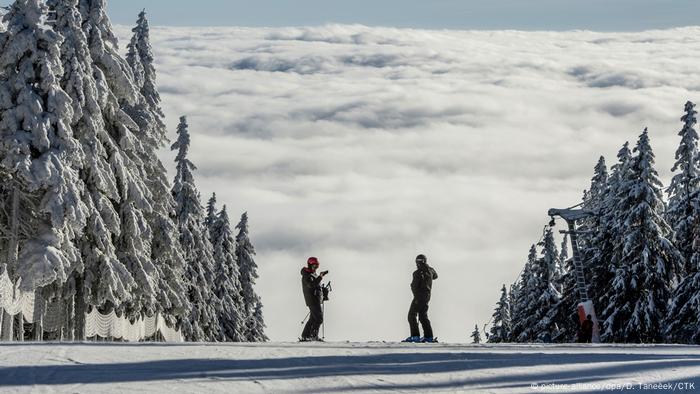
pixel 12 250
pixel 39 328
pixel 20 327
pixel 80 310
pixel 68 329
pixel 6 328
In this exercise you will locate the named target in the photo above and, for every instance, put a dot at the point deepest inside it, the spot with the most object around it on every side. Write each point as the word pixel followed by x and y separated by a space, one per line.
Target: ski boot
pixel 311 339
pixel 428 340
pixel 412 340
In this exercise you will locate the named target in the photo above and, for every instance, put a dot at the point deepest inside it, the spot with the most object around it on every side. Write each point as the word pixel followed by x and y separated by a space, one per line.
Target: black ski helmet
pixel 421 259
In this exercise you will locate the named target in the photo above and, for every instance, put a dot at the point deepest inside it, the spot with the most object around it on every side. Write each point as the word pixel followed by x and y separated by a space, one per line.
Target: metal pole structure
pixel 585 306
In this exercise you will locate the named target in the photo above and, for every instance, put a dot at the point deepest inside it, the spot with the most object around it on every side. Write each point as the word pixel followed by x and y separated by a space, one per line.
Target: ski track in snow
pixel 336 367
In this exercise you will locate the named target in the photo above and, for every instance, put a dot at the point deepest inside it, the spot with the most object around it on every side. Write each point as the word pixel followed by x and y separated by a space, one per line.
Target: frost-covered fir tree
pixel 594 202
pixel 476 335
pixel 117 94
pixel 166 250
pixel 202 323
pixel 602 255
pixel 212 216
pixel 682 323
pixel 512 308
pixel 649 262
pixel 245 252
pixel 522 294
pixel 682 214
pixel 101 278
pixel 541 296
pixel 500 330
pixel 563 314
pixel 140 58
pixel 227 284
pixel 39 154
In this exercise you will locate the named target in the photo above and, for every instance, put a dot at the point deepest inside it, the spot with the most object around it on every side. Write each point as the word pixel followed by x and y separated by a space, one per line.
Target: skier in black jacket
pixel 421 287
pixel 313 296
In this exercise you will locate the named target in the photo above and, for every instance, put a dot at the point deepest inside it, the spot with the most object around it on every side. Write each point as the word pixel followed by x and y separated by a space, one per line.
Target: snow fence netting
pixel 52 316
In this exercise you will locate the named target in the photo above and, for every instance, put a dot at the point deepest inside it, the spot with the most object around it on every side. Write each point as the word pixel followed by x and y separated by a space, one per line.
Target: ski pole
pixel 307 316
pixel 323 326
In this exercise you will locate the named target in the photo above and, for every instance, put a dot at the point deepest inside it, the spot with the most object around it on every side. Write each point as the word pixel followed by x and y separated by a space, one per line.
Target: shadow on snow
pixel 588 369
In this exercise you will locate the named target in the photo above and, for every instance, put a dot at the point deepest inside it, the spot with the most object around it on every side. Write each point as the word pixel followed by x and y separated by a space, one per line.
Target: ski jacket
pixel 422 283
pixel 311 286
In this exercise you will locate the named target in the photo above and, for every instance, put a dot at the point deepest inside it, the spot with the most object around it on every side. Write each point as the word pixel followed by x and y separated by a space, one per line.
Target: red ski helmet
pixel 312 261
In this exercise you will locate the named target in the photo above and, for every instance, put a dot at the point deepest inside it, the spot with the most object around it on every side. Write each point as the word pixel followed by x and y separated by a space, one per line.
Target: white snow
pixel 341 367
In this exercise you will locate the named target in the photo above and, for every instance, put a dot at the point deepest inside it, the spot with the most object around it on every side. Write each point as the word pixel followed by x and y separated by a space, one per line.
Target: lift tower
pixel 585 306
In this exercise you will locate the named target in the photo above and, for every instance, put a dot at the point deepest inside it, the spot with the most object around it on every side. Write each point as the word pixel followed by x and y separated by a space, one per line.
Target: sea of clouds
pixel 366 146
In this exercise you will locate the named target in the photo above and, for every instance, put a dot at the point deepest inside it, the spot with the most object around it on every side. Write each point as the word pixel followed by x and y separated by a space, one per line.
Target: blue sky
pixel 603 15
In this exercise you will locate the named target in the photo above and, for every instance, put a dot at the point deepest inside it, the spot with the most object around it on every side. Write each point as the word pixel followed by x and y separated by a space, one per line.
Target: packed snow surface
pixel 344 367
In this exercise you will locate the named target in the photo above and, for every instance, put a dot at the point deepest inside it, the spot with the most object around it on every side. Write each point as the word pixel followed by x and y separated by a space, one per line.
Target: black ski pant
pixel 315 320
pixel 419 308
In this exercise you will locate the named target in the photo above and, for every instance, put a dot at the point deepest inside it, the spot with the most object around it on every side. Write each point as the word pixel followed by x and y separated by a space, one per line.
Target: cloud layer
pixel 366 146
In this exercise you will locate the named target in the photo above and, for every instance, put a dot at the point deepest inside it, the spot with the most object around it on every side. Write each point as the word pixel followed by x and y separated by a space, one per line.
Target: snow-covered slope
pixel 341 367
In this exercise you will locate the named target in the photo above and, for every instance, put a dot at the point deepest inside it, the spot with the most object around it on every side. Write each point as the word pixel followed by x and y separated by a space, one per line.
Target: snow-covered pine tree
pixel 682 323
pixel 682 214
pixel 602 256
pixel 140 58
pixel 563 314
pixel 593 201
pixel 101 278
pixel 535 325
pixel 522 297
pixel 512 309
pixel 500 330
pixel 227 284
pixel 647 271
pixel 476 335
pixel 117 94
pixel 202 323
pixel 39 154
pixel 255 324
pixel 212 216
pixel 166 251
pixel 549 295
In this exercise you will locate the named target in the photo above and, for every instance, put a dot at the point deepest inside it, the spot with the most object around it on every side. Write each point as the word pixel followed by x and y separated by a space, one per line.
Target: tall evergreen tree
pixel 563 314
pixel 522 294
pixel 140 58
pixel 117 93
pixel 537 295
pixel 101 278
pixel 603 254
pixel 682 214
pixel 476 335
pixel 500 330
pixel 212 216
pixel 39 154
pixel 682 323
pixel 202 323
pixel 254 327
pixel 512 308
pixel 548 295
pixel 648 265
pixel 166 251
pixel 227 284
